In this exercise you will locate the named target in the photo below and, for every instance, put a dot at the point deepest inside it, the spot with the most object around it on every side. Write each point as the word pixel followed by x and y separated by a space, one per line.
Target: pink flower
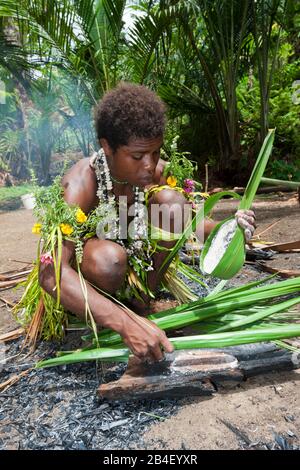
pixel 189 185
pixel 46 258
pixel 186 189
pixel 189 182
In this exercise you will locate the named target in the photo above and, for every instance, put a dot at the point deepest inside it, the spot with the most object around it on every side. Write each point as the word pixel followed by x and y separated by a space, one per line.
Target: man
pixel 130 124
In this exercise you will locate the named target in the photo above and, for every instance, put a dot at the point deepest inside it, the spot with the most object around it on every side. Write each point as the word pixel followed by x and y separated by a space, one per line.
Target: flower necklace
pixel 138 244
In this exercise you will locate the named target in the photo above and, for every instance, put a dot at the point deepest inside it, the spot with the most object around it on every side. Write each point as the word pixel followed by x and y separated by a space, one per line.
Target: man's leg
pixel 104 264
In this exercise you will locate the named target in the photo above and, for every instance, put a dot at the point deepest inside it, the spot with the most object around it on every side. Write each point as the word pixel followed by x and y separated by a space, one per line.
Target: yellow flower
pixel 36 229
pixel 66 229
pixel 80 216
pixel 172 181
pixel 204 195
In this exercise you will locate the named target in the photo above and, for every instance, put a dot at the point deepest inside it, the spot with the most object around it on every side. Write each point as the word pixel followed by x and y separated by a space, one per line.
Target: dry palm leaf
pixel 284 247
pixel 9 275
pixel 12 334
pixel 34 328
pixel 9 284
pixel 7 302
pixel 12 380
pixel 257 235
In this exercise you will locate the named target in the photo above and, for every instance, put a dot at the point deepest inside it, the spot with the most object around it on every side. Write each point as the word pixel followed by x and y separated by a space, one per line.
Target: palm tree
pixel 265 14
pixel 216 32
pixel 224 38
pixel 82 36
pixel 14 61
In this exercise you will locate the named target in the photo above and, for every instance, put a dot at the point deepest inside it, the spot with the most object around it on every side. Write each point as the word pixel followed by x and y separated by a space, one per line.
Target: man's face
pixel 134 162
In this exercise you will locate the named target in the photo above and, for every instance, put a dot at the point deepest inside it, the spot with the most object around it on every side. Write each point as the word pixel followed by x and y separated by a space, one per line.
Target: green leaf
pixel 258 171
pixel 200 215
pixel 99 354
pixel 214 340
pixel 233 259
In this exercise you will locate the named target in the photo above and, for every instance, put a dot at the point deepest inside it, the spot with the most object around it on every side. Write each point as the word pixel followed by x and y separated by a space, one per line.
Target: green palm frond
pixel 212 340
pixel 183 99
pixel 14 59
pixel 197 219
pixel 85 35
pixel 144 38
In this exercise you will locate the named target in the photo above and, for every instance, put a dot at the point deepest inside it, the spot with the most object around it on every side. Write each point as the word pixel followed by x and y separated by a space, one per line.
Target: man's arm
pixel 142 337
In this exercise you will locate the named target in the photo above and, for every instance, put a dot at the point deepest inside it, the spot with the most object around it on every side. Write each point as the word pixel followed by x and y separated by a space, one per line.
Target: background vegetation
pixel 228 70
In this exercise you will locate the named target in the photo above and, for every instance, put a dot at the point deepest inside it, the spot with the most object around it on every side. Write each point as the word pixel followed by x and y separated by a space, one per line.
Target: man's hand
pixel 246 220
pixel 145 339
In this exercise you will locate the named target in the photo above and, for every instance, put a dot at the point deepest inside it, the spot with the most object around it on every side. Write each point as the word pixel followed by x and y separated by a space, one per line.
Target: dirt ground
pixel 262 408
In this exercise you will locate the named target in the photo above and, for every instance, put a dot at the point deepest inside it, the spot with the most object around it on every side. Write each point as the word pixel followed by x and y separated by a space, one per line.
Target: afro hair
pixel 128 112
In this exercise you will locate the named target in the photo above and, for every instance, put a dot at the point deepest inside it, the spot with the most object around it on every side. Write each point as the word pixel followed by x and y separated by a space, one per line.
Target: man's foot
pixel 141 308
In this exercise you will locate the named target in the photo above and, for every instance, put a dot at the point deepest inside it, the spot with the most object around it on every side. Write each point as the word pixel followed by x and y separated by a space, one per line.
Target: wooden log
pixel 182 373
pixel 197 372
pixel 262 358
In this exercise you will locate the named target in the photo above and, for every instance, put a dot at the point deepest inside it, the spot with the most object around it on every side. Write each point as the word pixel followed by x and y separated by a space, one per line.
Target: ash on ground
pixel 58 408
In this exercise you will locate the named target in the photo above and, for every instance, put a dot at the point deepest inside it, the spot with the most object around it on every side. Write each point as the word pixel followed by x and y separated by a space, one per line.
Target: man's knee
pixel 106 249
pixel 169 210
pixel 104 261
pixel 168 196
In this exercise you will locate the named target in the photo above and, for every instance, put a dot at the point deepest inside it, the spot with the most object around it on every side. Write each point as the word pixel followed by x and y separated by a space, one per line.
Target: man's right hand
pixel 145 339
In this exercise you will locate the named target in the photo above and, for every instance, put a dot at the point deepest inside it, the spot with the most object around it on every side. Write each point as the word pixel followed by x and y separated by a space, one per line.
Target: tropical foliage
pixel 226 68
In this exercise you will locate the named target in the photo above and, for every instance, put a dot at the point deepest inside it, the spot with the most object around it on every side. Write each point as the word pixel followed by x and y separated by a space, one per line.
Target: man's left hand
pixel 246 220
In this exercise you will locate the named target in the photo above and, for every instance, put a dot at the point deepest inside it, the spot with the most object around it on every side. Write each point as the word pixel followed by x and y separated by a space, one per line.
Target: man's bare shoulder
pixel 80 185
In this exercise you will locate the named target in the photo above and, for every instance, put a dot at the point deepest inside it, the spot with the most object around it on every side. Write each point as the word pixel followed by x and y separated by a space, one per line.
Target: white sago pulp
pixel 219 245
